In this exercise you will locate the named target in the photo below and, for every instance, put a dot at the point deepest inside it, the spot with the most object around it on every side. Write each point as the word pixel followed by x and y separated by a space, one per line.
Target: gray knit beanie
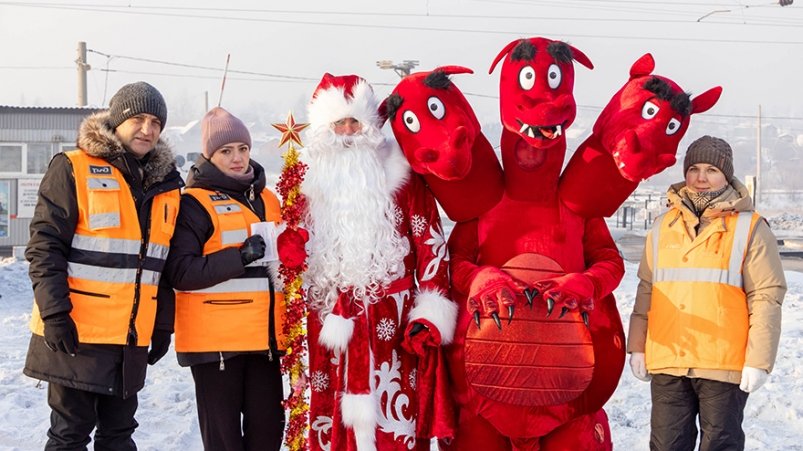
pixel 136 98
pixel 713 151
pixel 218 128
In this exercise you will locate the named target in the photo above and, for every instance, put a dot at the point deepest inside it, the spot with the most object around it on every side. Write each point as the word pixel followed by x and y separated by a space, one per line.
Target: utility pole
pixel 83 67
pixel 759 180
pixel 402 69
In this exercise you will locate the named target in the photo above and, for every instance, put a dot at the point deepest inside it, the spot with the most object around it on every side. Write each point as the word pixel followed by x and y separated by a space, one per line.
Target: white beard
pixel 354 244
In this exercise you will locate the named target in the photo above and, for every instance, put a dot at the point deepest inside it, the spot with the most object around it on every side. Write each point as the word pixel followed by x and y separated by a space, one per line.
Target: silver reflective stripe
pixel 656 233
pixel 237 286
pixel 730 276
pixel 233 236
pixel 714 275
pixel 103 184
pixel 104 220
pixel 740 238
pixel 101 274
pixel 150 277
pixel 106 245
pixel 227 208
pixel 157 251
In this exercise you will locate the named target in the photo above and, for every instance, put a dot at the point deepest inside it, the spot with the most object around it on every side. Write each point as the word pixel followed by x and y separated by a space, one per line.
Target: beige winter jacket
pixel 762 275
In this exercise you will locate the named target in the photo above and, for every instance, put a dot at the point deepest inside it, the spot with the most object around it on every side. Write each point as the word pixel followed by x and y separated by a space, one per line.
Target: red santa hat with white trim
pixel 340 96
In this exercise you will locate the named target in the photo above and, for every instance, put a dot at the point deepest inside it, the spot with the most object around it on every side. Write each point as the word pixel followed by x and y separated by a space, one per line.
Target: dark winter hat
pixel 713 151
pixel 136 98
pixel 218 128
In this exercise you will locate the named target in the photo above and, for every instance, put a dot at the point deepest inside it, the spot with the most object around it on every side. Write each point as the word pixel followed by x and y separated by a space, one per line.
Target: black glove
pixel 160 342
pixel 253 248
pixel 61 334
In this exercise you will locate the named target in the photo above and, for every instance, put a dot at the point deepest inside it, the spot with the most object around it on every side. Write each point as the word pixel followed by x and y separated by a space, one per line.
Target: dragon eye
pixel 411 121
pixel 672 127
pixel 649 110
pixel 554 76
pixel 527 78
pixel 436 107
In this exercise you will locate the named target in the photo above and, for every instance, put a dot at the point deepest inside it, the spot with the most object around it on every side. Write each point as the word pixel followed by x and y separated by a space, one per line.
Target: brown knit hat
pixel 713 151
pixel 218 128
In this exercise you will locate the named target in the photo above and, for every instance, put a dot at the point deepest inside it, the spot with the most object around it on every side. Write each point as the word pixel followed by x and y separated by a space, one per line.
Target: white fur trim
pixel 397 168
pixel 359 413
pixel 434 307
pixel 336 333
pixel 331 105
pixel 273 270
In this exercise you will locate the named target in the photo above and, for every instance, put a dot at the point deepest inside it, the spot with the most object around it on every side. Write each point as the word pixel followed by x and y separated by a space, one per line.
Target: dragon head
pixel 536 89
pixel 433 123
pixel 645 120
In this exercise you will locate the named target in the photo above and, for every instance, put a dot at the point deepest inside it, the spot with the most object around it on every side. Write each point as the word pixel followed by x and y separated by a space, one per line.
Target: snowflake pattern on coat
pixel 418 224
pixel 319 381
pixel 386 329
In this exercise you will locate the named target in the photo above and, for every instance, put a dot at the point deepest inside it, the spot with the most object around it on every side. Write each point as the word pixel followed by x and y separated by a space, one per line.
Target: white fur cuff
pixel 434 307
pixel 359 413
pixel 336 333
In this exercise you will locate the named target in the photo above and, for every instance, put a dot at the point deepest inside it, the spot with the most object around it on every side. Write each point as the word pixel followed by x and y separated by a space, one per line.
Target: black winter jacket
pixel 108 369
pixel 187 268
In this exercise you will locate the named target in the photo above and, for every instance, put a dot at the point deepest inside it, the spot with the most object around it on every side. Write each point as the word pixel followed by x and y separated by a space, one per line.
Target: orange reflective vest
pixel 112 270
pixel 698 314
pixel 239 314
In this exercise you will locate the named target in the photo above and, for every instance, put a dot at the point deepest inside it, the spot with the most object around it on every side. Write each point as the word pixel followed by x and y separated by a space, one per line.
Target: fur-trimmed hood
pixel 96 138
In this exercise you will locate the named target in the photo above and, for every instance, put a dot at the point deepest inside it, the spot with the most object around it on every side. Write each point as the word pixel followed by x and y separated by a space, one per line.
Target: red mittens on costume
pixel 291 247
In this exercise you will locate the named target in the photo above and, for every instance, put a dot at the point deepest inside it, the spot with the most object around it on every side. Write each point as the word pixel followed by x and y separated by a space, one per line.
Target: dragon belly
pixel 535 360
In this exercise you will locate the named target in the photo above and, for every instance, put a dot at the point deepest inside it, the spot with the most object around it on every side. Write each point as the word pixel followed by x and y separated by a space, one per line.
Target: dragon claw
pixel 510 309
pixel 530 294
pixel 496 319
pixel 477 318
pixel 585 318
pixel 550 304
pixel 563 311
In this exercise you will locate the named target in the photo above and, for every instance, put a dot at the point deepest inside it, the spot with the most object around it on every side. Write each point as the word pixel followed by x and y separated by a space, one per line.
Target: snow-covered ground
pixel 773 418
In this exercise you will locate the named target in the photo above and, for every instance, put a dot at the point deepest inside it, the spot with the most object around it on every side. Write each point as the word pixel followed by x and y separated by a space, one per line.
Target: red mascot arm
pixel 486 288
pixel 605 269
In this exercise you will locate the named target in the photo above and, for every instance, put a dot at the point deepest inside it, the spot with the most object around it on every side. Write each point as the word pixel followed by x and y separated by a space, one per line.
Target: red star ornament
pixel 290 130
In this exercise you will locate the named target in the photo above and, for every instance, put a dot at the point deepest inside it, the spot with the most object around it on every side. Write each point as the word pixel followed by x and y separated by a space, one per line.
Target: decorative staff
pixel 291 269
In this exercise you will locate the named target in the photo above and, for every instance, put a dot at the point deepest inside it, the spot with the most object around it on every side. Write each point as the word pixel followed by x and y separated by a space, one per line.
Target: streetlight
pixel 402 69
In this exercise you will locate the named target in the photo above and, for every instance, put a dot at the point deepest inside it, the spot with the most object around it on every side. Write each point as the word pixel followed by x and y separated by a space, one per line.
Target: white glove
pixel 752 379
pixel 638 366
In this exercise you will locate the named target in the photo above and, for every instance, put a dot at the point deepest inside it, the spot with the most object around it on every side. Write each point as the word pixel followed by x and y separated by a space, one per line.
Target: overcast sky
pixel 752 48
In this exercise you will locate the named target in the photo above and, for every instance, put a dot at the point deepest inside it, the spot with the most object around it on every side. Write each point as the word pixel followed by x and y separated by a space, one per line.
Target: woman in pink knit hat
pixel 228 307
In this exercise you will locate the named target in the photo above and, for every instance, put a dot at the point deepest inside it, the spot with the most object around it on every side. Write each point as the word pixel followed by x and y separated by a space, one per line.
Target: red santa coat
pixel 394 382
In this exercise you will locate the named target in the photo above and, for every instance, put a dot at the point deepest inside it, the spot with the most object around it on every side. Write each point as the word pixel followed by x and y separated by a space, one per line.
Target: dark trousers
pixel 676 403
pixel 75 413
pixel 250 387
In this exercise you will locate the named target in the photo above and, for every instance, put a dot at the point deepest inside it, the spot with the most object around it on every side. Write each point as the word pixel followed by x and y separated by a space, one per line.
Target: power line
pixel 296 78
pixel 403 27
pixel 36 67
pixel 196 66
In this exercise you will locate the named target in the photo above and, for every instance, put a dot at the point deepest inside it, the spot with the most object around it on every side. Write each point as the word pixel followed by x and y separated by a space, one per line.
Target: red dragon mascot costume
pixel 539 381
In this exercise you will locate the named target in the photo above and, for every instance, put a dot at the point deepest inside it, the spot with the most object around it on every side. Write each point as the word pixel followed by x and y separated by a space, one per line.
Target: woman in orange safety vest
pixel 706 322
pixel 228 307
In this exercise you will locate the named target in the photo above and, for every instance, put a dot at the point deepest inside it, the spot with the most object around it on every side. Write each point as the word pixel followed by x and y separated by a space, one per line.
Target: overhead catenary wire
pixel 295 78
pixel 388 26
